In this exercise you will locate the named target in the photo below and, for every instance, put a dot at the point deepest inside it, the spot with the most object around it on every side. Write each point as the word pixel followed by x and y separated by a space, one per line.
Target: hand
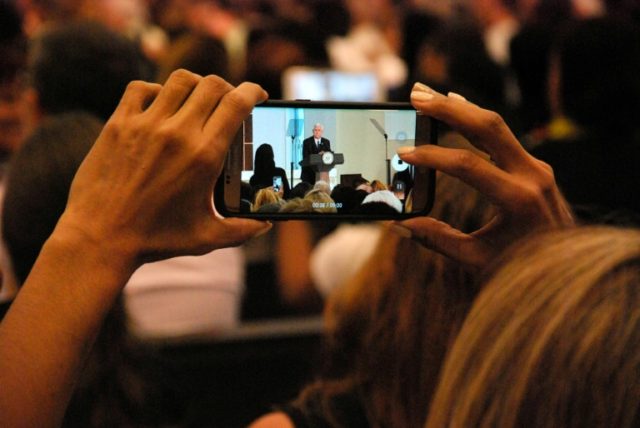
pixel 145 188
pixel 522 188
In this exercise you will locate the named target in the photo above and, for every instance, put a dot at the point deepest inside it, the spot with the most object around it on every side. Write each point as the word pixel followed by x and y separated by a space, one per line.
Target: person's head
pixel 321 202
pixel 597 63
pixel 384 197
pixel 300 189
pixel 39 178
pixel 265 196
pixel 389 327
pixel 323 186
pixel 82 66
pixel 263 162
pixel 553 339
pixel 318 129
pixel 378 185
pixel 454 58
pixel 201 55
pixel 347 198
pixel 297 205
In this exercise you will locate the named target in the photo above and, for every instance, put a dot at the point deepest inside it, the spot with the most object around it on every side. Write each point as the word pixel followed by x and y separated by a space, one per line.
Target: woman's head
pixel 321 202
pixel 389 327
pixel 40 176
pixel 263 162
pixel 264 197
pixel 553 339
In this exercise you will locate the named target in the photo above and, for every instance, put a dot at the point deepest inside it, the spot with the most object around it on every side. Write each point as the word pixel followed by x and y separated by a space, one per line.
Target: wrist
pixel 112 256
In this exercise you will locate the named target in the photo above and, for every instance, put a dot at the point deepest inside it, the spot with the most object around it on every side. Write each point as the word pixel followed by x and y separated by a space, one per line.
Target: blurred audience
pixel 84 66
pixel 111 390
pixel 594 150
pixel 564 72
pixel 81 66
pixel 14 120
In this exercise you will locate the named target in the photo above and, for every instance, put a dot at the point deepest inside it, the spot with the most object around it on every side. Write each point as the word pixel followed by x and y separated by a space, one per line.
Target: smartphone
pixel 277 183
pixel 338 157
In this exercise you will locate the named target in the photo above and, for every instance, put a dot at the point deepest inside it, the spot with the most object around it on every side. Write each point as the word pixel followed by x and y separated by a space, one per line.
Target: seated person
pixel 103 236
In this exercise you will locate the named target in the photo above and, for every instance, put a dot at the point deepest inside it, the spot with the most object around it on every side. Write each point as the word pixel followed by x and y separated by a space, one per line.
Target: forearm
pixel 52 324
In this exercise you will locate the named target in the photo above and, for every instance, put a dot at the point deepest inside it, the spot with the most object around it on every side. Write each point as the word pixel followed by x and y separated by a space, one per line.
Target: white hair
pixel 386 197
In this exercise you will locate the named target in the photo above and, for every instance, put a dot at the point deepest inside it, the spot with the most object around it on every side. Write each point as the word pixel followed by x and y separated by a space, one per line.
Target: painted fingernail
pixel 405 150
pixel 400 230
pixel 422 88
pixel 456 96
pixel 421 96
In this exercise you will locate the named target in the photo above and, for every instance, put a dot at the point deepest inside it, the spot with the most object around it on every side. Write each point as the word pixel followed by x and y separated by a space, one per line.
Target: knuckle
pixel 546 177
pixel 137 86
pixel 237 103
pixel 140 89
pixel 465 161
pixel 494 122
pixel 112 129
pixel 183 77
pixel 168 135
pixel 216 81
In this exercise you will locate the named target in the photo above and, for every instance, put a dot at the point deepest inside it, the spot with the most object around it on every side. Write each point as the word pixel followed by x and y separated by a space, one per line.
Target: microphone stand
pixel 293 146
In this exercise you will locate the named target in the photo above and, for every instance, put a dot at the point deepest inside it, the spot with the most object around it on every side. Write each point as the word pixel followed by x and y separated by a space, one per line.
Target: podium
pixel 322 164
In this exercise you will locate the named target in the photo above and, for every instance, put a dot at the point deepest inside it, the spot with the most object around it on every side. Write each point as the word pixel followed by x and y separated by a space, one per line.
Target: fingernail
pixel 456 96
pixel 400 230
pixel 405 150
pixel 422 88
pixel 421 96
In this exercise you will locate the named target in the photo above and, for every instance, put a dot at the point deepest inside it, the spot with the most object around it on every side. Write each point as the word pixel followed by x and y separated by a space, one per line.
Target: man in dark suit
pixel 311 146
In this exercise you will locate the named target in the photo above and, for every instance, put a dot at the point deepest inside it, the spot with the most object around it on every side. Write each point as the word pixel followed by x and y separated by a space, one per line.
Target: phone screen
pixel 277 183
pixel 339 160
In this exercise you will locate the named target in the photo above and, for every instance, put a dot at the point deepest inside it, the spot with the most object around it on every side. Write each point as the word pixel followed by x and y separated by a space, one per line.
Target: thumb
pixel 234 231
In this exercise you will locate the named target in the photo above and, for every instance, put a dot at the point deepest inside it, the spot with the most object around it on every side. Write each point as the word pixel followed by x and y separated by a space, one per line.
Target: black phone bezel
pixel 426 133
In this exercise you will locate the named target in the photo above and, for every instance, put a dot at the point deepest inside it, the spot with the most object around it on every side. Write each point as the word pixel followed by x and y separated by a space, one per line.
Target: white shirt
pixel 186 295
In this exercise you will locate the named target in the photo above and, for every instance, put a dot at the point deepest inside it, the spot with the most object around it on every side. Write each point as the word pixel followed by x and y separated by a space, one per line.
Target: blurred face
pixel 317 131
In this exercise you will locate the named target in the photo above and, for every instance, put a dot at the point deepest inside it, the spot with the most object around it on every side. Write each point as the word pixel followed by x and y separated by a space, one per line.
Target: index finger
pixel 485 129
pixel 233 108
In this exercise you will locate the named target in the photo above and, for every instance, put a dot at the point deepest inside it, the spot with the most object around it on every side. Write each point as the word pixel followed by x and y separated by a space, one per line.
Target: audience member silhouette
pixel 596 164
pixel 265 170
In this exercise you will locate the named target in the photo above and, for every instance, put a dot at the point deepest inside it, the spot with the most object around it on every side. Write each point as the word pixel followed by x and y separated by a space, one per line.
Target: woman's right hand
pixel 521 187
